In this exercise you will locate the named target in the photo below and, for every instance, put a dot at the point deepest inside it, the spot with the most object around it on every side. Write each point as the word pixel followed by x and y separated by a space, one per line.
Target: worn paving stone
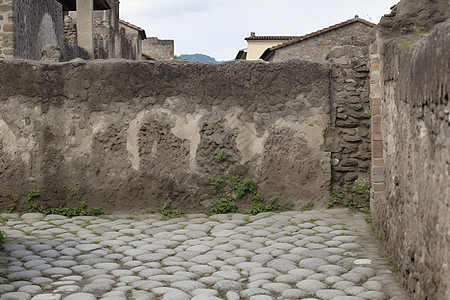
pixel 15 296
pixel 290 255
pixel 310 285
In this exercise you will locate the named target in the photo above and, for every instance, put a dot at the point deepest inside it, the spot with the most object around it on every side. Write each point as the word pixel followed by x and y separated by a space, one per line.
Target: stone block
pixel 5 7
pixel 378 174
pixel 8 52
pixel 350 177
pixel 378 187
pixel 378 162
pixel 349 162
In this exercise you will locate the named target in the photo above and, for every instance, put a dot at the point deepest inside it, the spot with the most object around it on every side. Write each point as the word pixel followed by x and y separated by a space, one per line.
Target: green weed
pixel 223 205
pixel 272 205
pixel 390 260
pixel 356 196
pixel 168 212
pixel 335 198
pixel 369 221
pixel 34 193
pixel 216 182
pixel 2 238
pixel 221 156
pixel 307 206
pixel 65 211
pixel 73 193
pixel 242 185
pixel 13 206
pixel 410 40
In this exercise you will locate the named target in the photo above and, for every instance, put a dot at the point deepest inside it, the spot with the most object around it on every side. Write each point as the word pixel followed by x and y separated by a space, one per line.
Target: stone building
pixel 317 45
pixel 135 35
pixel 44 25
pixel 88 29
pixel 258 44
pixel 156 49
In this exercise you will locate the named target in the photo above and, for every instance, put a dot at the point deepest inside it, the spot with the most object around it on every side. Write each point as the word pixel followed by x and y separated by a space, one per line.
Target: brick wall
pixel 377 170
pixel 6 29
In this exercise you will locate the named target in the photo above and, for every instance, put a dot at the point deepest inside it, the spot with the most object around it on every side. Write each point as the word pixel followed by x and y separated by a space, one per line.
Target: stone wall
pixel 349 137
pixel 134 39
pixel 125 48
pixel 131 135
pixel 158 49
pixel 36 24
pixel 317 48
pixel 72 50
pixel 411 173
pixel 6 29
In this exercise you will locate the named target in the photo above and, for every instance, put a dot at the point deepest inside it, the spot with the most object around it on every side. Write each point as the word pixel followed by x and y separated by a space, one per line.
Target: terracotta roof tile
pixel 271 38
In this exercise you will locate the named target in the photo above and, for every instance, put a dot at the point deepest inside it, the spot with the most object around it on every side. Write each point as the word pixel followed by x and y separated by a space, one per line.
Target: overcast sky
pixel 218 27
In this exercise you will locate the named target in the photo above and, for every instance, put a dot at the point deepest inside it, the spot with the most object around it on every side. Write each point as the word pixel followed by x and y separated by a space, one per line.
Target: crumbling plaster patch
pixel 187 128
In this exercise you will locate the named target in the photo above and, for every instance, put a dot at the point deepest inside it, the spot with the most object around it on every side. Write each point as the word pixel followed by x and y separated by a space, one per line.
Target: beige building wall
pixel 257 47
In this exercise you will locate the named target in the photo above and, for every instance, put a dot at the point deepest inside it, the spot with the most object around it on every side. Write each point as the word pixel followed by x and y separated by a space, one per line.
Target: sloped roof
pixel 270 51
pixel 141 31
pixel 242 54
pixel 271 37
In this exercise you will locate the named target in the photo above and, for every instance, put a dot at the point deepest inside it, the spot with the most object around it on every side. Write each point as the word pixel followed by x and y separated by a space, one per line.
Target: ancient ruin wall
pixel 158 49
pixel 6 29
pixel 411 203
pixel 36 24
pixel 348 138
pixel 131 135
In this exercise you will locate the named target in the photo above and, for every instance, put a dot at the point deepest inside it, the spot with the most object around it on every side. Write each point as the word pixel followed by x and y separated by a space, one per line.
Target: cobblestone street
pixel 326 255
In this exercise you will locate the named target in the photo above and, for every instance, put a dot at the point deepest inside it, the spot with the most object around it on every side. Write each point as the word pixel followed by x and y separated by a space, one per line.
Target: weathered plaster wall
pixel 134 39
pixel 158 49
pixel 411 196
pixel 36 24
pixel 6 29
pixel 127 133
pixel 317 48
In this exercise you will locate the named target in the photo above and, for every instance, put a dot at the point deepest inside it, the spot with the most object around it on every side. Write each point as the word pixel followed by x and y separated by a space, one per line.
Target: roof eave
pixel 267 54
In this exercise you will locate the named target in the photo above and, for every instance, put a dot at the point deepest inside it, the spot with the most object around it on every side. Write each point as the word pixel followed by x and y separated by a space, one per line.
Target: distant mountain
pixel 199 57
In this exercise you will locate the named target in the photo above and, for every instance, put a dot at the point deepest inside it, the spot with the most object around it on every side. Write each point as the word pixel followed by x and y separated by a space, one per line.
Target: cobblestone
pixel 311 255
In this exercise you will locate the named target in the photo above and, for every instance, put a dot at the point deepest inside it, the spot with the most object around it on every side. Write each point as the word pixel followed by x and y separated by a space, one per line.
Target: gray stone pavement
pixel 326 255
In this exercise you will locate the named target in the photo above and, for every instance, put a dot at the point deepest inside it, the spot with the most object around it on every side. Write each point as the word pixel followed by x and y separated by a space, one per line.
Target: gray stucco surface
pixel 126 133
